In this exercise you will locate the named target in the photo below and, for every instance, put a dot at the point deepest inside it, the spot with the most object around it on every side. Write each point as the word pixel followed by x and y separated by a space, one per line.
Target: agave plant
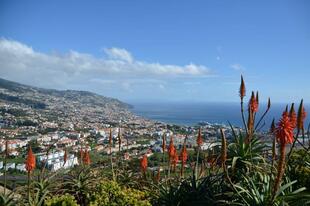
pixel 169 194
pixel 257 191
pixel 210 190
pixel 78 183
pixel 243 156
pixel 40 189
pixel 7 199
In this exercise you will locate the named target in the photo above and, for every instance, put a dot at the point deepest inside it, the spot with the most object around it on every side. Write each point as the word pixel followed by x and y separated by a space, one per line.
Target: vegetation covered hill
pixel 60 106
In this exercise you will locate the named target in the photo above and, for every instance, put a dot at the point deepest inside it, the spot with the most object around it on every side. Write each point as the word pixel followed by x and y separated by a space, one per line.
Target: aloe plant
pixel 7 199
pixel 242 156
pixel 257 191
pixel 78 183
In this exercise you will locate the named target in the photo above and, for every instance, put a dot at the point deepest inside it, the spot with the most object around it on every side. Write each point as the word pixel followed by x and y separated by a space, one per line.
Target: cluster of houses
pixel 74 139
pixel 56 160
pixel 53 161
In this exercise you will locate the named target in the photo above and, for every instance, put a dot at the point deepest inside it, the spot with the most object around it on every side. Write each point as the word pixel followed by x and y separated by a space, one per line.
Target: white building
pixel 55 161
pixel 21 167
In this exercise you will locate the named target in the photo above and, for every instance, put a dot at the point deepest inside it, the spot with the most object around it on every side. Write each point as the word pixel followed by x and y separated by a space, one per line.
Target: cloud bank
pixel 116 70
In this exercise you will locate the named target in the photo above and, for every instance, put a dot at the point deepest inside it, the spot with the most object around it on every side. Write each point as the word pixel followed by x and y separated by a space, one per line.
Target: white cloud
pixel 237 67
pixel 117 71
pixel 120 54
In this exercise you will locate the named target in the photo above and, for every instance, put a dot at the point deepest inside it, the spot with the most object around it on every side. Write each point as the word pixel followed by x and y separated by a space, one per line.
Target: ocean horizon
pixel 190 114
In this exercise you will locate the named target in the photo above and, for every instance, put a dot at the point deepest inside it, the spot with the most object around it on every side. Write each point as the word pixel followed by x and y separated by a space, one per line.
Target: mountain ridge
pixel 51 105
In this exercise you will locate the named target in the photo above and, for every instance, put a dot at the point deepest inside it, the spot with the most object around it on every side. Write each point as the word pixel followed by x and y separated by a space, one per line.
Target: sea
pixel 190 114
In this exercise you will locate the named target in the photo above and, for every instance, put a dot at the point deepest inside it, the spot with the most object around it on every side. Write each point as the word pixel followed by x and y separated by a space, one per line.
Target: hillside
pixel 67 106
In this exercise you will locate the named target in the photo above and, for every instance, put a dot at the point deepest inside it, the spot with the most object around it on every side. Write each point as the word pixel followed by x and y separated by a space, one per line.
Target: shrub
pixel 110 193
pixel 63 200
pixel 300 168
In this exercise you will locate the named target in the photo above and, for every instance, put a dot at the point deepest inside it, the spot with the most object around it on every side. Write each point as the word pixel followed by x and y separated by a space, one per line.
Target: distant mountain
pixel 62 105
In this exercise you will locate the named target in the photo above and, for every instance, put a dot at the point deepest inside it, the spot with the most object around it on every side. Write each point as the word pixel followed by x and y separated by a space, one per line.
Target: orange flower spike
pixel 284 134
pixel 199 138
pixel 293 116
pixel 242 89
pixel 301 116
pixel 304 114
pixel 284 131
pixel 183 155
pixel 175 161
pixel 86 158
pixel 171 149
pixel 30 161
pixel 143 163
pixel 253 104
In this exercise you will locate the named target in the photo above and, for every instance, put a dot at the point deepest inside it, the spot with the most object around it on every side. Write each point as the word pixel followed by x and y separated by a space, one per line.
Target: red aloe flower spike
pixel 284 135
pixel 242 89
pixel 86 158
pixel 171 149
pixel 301 116
pixel 293 116
pixel 199 138
pixel 284 130
pixel 143 164
pixel 183 156
pixel 30 161
pixel 253 104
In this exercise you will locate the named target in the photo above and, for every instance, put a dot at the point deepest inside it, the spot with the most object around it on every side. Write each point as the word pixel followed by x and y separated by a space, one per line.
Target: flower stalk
pixel 284 134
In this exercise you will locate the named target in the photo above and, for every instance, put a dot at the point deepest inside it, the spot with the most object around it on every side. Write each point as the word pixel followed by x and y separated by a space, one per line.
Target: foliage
pixel 79 184
pixel 7 199
pixel 205 191
pixel 243 157
pixel 63 200
pixel 41 189
pixel 300 168
pixel 257 190
pixel 110 193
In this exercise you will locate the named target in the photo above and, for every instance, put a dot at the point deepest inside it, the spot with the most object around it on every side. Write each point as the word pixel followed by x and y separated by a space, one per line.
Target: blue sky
pixel 159 50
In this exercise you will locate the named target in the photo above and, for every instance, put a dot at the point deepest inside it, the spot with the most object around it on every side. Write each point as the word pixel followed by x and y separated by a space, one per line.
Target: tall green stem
pixel 28 192
pixel 293 145
pixel 112 163
pixel 243 118
pixel 281 168
pixel 5 164
pixel 197 163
